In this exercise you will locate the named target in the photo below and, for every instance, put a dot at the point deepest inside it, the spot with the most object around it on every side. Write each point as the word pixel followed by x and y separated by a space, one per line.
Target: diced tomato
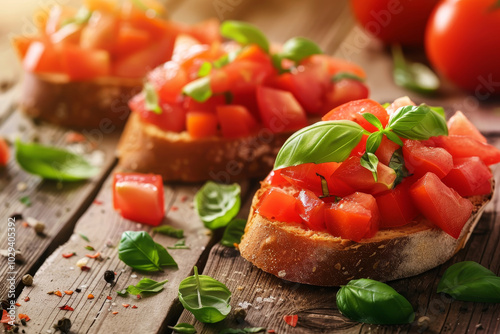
pixel 305 176
pixel 420 159
pixel 209 105
pixel 459 125
pixel 353 111
pixel 386 150
pixel 100 32
pixel 172 117
pixel 274 178
pixel 168 80
pixel 279 110
pixel 254 54
pixel 41 57
pixel 278 205
pixel 82 64
pixel 67 34
pixel 344 91
pixel 440 204
pixel 201 124
pixel 354 217
pixel 56 16
pixel 139 197
pixel 469 177
pixel 396 206
pixel 21 45
pixel 337 65
pixel 235 121
pixel 4 152
pixel 108 6
pixel 142 19
pixel 464 147
pixel 312 210
pixel 350 176
pixel 240 76
pixel 130 40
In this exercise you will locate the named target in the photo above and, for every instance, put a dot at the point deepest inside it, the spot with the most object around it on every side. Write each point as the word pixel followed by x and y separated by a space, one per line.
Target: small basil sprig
pixel 183 328
pixel 298 48
pixel 169 231
pixel 470 281
pixel 198 89
pixel 205 297
pixel 146 285
pixel 244 33
pixel 397 163
pixel 233 232
pixel 151 98
pixel 417 122
pixel 53 163
pixel 138 250
pixel 217 204
pixel 373 302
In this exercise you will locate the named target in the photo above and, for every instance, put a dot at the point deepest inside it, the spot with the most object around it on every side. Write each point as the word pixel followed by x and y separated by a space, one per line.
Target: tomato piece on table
pixel 201 124
pixel 4 152
pixel 354 217
pixel 235 121
pixel 442 205
pixel 460 125
pixel 305 176
pixel 279 110
pixel 469 177
pixel 278 205
pixel 396 206
pixel 464 147
pixel 420 159
pixel 350 176
pixel 311 209
pixel 354 110
pixel 274 178
pixel 139 197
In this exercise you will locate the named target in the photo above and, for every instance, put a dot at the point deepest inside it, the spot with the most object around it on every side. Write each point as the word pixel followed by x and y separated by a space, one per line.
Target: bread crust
pixel 145 148
pixel 293 253
pixel 99 103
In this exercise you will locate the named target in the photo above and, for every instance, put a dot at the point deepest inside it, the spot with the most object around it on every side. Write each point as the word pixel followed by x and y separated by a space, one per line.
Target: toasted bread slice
pixel 98 104
pixel 294 253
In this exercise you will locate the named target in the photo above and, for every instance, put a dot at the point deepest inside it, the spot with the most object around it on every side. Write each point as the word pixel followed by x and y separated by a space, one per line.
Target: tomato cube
pixel 420 159
pixel 386 150
pixel 274 178
pixel 460 125
pixel 469 177
pixel 396 206
pixel 168 80
pixel 354 110
pixel 440 204
pixel 201 124
pixel 235 121
pixel 311 209
pixel 306 176
pixel 139 197
pixel 464 147
pixel 278 205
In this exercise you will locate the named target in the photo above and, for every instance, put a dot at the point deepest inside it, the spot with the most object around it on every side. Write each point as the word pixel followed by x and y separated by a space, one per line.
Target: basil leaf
pixel 151 99
pixel 397 163
pixel 439 110
pixel 205 69
pixel 169 231
pixel 165 259
pixel 82 17
pixel 325 141
pixel 346 75
pixel 198 89
pixel 183 328
pixel 26 201
pixel 122 293
pixel 370 162
pixel 244 33
pixel 373 141
pixel 242 330
pixel 217 204
pixel 385 105
pixel 417 122
pixel 372 302
pixel 413 76
pixel 373 120
pixel 233 232
pixel 299 48
pixel 470 281
pixel 146 285
pixel 53 163
pixel 205 297
pixel 181 244
pixel 393 137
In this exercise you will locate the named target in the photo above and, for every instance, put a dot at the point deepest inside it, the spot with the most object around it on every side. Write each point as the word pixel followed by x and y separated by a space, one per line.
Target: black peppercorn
pixel 109 276
pixel 63 325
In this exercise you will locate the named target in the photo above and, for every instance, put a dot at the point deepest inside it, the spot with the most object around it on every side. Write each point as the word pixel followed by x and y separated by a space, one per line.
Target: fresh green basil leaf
pixel 373 141
pixel 325 141
pixel 233 232
pixel 242 330
pixel 346 75
pixel 470 281
pixel 439 110
pixel 217 204
pixel 53 163
pixel 244 33
pixel 122 293
pixel 151 99
pixel 417 122
pixel 183 328
pixel 146 285
pixel 181 244
pixel 370 162
pixel 205 69
pixel 164 258
pixel 82 17
pixel 169 231
pixel 298 48
pixel 373 120
pixel 393 137
pixel 221 62
pixel 413 76
pixel 373 302
pixel 385 105
pixel 205 297
pixel 26 201
pixel 198 89
pixel 397 163
pixel 138 250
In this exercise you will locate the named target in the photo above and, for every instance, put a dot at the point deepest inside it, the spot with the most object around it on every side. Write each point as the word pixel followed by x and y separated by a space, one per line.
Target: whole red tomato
pixel 394 21
pixel 463 44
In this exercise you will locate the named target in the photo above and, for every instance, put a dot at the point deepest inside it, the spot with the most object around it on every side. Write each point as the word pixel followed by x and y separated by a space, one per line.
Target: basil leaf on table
pixel 244 33
pixel 217 204
pixel 245 330
pixel 53 163
pixel 205 297
pixel 470 281
pixel 298 48
pixel 180 244
pixel 373 302
pixel 169 231
pixel 325 141
pixel 233 232
pixel 397 163
pixel 164 258
pixel 198 89
pixel 417 122
pixel 151 99
pixel 146 285
pixel 183 328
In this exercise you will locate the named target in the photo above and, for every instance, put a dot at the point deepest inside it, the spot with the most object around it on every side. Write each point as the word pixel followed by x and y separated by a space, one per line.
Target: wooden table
pixel 70 209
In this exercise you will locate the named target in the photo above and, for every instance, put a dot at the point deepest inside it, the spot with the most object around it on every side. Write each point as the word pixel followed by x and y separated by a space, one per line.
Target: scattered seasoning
pixel 25 224
pixel 183 198
pixel 240 313
pixel 22 186
pixel 126 305
pixel 23 322
pixel 17 216
pixel 50 292
pixel 139 296
pixel 291 319
pixel 27 299
pixel 133 306
pixel 68 292
pixel 63 325
pixel 109 297
pixel 84 237
pixel 85 268
pixel 74 137
pixel 68 255
pixel 109 244
pixel 271 331
pixel 66 308
pixel 27 280
pixel 90 296
pixel 115 312
pixel 109 276
pixel 17 304
pixel 94 256
pixel 82 262
pixel 24 316
pixel 58 293
pixel 39 228
pixel 174 208
pixel 97 202
pixel 25 200
pixel 90 248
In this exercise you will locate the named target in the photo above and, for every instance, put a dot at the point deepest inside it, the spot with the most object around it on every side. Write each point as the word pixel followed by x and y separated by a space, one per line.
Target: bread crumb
pixel 281 273
pixel 337 266
pixel 381 246
pixel 314 269
pixel 374 253
pixel 244 305
pixel 375 265
pixel 240 288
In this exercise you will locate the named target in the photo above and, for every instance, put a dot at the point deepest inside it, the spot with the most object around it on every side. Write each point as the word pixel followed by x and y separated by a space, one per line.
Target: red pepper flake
pixel 115 312
pixel 174 208
pixel 109 297
pixel 98 202
pixel 17 304
pixel 74 137
pixel 25 224
pixel 183 198
pixel 24 316
pixel 139 296
pixel 271 331
pixel 90 296
pixel 27 299
pixel 58 293
pixel 85 268
pixel 68 292
pixel 291 319
pixel 68 255
pixel 133 306
pixel 5 317
pixel 95 256
pixel 66 308
pixel 126 305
